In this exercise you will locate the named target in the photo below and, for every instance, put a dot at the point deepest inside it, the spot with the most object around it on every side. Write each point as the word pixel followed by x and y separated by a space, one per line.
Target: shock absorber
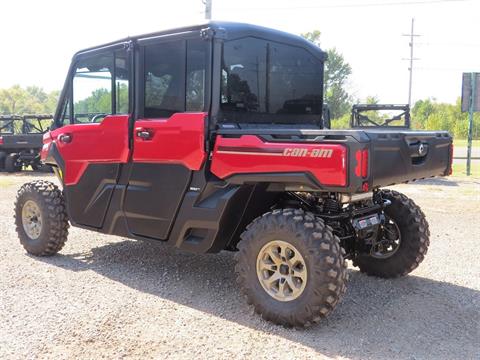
pixel 331 206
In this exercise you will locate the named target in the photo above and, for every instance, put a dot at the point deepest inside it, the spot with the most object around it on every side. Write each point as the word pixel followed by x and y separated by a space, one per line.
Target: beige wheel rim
pixel 32 219
pixel 281 270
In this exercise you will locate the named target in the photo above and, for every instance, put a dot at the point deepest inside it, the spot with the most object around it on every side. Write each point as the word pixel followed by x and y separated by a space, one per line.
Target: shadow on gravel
pixel 411 317
pixel 440 181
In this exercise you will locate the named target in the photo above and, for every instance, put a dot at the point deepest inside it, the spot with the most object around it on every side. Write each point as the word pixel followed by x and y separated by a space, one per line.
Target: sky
pixel 40 37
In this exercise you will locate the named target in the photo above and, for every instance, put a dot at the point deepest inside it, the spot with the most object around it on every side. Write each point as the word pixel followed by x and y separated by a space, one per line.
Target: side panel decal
pixel 249 154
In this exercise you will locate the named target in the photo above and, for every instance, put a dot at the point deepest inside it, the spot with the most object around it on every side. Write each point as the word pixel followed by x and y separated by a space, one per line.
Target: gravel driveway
pixel 104 296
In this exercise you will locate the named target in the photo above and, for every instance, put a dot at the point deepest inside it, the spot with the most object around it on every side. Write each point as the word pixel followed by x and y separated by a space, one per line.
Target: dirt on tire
pixel 54 230
pixel 327 269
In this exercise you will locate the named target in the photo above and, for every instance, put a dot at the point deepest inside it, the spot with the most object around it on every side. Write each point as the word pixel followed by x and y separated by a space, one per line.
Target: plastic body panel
pixel 88 200
pixel 105 142
pixel 163 160
pixel 179 139
pixel 401 156
pixel 154 193
pixel 248 154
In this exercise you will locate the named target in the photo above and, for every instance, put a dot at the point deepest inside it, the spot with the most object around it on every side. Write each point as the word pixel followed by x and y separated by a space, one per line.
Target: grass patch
pixel 464 143
pixel 461 169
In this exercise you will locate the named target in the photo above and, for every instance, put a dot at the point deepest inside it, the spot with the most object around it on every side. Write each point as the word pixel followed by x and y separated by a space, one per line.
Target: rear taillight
pixel 450 165
pixel 1 140
pixel 361 169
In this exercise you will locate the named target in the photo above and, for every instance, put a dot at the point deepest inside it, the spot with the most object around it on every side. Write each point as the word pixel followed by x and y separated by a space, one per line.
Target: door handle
pixel 65 138
pixel 143 133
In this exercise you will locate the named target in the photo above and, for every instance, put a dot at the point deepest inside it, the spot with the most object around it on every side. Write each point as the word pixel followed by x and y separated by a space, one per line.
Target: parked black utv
pixel 21 141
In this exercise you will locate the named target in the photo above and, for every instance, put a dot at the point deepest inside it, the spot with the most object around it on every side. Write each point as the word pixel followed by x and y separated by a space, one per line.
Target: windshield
pixel 268 82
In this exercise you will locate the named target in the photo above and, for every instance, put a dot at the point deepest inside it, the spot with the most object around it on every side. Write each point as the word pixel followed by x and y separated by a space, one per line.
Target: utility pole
pixel 473 96
pixel 411 59
pixel 208 9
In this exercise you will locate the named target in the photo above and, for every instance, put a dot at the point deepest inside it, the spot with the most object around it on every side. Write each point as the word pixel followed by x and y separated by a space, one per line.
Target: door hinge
pixel 209 33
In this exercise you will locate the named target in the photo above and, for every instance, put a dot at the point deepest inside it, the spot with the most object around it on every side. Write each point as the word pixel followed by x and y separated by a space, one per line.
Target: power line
pixel 412 35
pixel 450 44
pixel 358 5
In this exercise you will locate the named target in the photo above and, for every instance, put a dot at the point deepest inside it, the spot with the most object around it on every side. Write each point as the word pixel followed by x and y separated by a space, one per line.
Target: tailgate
pixel 400 156
pixel 25 141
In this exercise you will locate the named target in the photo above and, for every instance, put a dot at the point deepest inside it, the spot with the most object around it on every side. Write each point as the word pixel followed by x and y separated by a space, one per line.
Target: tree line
pixel 30 100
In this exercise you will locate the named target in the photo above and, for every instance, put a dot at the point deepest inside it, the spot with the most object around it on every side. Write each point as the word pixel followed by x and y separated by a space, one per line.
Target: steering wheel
pixel 96 117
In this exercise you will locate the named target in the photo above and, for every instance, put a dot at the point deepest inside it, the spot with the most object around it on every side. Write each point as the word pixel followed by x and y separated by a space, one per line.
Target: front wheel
pixel 291 268
pixel 40 218
pixel 12 164
pixel 404 242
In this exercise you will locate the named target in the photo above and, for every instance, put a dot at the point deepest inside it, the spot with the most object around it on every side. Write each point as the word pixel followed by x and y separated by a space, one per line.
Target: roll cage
pixel 367 115
pixel 25 124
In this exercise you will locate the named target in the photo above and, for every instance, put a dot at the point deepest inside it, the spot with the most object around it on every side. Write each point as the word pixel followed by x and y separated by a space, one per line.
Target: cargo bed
pixel 394 155
pixel 400 156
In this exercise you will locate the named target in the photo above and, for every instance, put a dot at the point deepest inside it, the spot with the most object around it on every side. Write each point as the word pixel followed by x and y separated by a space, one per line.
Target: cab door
pixel 93 142
pixel 169 133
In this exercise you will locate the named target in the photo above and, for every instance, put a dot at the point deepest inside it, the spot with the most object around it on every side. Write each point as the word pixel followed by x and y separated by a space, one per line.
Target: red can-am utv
pixel 211 138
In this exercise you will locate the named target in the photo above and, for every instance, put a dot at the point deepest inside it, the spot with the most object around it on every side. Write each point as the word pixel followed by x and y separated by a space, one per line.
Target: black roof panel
pixel 228 31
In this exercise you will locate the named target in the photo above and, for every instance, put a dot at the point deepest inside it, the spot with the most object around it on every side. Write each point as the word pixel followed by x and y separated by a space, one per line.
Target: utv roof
pixel 227 31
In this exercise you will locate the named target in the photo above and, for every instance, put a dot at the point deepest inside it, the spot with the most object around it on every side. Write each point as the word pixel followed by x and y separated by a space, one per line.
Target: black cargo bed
pixel 400 156
pixel 22 141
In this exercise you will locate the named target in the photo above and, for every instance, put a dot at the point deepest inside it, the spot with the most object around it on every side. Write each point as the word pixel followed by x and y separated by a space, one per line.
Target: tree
pixel 32 99
pixel 11 100
pixel 336 74
pixel 100 101
pixel 430 115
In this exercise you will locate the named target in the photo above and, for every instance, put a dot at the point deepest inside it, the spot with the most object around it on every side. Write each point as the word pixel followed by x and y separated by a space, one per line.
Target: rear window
pixel 269 82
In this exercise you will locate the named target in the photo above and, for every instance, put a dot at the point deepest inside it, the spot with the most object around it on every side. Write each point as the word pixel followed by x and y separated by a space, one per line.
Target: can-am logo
pixel 302 152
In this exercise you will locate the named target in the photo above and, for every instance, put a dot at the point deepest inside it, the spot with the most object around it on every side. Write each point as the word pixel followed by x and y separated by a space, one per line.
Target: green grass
pixel 464 143
pixel 461 169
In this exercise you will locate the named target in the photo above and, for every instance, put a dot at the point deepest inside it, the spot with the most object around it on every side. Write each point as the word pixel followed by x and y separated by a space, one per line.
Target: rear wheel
pixel 291 268
pixel 404 242
pixel 41 219
pixel 11 163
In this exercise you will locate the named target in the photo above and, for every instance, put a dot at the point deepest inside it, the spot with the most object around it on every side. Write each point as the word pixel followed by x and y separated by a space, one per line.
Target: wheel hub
pixel 389 242
pixel 32 219
pixel 281 270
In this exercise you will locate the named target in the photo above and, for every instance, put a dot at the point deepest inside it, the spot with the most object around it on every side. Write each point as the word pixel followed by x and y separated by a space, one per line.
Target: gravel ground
pixel 104 296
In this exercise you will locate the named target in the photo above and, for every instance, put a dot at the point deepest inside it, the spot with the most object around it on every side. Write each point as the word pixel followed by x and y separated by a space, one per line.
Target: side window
pixel 164 79
pixel 278 82
pixel 65 117
pixel 92 88
pixel 121 82
pixel 244 76
pixel 295 81
pixel 175 77
pixel 100 87
pixel 196 74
